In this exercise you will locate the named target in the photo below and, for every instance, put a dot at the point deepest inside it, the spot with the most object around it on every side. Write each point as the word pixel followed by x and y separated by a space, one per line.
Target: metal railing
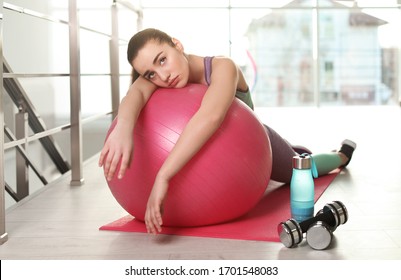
pixel 28 115
pixel 3 233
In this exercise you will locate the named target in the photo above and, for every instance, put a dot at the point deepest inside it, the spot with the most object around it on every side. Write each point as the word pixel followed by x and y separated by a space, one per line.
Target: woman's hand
pixel 154 207
pixel 119 146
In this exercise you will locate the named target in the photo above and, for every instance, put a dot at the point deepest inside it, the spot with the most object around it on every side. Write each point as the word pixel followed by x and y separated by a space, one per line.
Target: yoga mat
pixel 259 224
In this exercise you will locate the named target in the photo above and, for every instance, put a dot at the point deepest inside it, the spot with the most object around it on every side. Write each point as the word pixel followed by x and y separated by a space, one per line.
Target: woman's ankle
pixel 344 158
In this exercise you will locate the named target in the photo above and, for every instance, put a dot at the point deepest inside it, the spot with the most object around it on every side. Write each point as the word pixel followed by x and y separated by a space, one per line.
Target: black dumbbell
pixel 332 215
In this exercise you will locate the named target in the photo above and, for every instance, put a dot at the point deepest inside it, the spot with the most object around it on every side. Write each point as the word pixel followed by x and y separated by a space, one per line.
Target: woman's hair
pixel 139 40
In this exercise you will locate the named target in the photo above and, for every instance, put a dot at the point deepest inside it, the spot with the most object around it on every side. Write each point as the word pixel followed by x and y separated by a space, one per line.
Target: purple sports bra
pixel 208 68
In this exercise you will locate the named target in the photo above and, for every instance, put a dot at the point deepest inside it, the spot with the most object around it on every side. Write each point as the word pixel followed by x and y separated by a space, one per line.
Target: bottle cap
pixel 302 162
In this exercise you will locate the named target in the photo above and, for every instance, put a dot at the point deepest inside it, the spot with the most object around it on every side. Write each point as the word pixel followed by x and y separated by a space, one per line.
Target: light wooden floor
pixel 61 222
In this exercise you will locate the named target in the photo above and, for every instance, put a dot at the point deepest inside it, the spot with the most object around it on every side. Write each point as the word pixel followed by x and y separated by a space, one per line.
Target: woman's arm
pixel 119 144
pixel 197 132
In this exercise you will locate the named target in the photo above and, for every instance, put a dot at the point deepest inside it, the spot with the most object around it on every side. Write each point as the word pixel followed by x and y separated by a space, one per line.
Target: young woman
pixel 159 60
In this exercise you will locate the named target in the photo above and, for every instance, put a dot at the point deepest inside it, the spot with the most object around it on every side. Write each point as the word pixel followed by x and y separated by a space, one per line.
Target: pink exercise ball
pixel 223 181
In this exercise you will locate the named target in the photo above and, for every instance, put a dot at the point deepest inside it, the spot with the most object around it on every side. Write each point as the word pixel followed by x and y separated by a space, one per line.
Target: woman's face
pixel 162 64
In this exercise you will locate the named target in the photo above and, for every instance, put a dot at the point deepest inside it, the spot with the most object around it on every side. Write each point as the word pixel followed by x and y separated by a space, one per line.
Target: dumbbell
pixel 330 217
pixel 320 234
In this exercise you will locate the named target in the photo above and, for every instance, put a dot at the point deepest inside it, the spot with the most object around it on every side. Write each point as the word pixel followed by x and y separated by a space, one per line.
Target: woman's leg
pixel 326 163
pixel 283 152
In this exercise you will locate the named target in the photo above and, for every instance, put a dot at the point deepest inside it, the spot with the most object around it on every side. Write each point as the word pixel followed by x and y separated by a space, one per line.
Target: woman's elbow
pixel 215 120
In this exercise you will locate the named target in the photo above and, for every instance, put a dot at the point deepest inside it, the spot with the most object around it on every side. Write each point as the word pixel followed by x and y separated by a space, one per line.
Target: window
pixel 295 53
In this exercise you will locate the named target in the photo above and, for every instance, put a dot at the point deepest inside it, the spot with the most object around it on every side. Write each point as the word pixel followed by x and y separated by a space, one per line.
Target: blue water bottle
pixel 302 187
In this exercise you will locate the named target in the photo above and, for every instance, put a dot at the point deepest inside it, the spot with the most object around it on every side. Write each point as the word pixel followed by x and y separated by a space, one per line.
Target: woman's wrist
pixel 165 173
pixel 124 126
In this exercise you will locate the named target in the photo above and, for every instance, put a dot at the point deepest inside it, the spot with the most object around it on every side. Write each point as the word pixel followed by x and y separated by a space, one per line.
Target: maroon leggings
pixel 282 153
